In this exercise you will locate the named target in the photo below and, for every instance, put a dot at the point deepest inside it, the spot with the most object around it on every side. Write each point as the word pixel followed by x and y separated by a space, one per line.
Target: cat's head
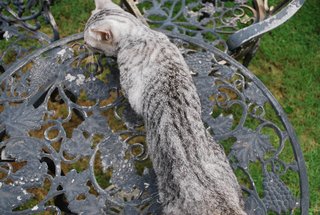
pixel 105 30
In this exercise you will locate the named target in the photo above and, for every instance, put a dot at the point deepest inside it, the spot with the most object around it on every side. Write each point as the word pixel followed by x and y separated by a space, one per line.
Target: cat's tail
pixel 194 174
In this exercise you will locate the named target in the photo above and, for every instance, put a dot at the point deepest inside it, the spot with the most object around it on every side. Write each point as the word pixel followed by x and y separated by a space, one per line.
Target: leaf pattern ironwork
pixel 76 136
pixel 206 21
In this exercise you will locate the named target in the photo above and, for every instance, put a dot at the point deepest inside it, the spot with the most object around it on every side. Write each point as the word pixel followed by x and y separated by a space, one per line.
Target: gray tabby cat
pixel 194 176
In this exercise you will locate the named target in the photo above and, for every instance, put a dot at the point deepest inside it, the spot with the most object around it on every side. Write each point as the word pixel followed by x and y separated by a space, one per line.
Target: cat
pixel 193 173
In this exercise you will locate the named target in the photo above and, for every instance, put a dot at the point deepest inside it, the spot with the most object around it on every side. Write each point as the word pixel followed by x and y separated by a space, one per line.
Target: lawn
pixel 288 63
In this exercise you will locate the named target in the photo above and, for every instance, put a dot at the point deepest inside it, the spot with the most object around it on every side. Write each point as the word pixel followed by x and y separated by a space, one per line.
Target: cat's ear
pixel 105 4
pixel 101 4
pixel 102 33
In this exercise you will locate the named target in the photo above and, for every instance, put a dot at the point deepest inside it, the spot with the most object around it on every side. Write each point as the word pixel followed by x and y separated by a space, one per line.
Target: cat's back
pixel 151 63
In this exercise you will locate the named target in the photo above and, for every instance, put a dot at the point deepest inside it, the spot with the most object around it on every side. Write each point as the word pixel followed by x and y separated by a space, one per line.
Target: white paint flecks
pixel 80 79
pixel 65 54
pixel 35 208
pixel 70 78
pixel 146 185
pixel 62 52
pixel 6 35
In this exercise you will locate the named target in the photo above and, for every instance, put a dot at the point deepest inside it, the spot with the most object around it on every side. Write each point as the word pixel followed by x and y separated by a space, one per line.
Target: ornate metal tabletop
pixel 70 141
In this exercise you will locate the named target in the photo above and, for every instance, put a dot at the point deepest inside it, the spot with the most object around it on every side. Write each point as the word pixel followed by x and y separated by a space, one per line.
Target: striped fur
pixel 194 176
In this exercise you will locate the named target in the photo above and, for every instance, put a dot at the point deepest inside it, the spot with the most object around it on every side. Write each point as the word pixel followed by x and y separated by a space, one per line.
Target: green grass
pixel 71 16
pixel 288 63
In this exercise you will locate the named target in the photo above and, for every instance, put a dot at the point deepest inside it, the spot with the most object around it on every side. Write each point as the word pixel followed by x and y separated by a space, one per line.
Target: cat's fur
pixel 194 176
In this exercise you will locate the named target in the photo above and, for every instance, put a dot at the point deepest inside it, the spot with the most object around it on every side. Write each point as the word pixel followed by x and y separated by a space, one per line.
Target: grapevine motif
pixel 207 21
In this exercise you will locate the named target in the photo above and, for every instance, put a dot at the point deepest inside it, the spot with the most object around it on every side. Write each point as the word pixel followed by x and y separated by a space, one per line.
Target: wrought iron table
pixel 71 143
